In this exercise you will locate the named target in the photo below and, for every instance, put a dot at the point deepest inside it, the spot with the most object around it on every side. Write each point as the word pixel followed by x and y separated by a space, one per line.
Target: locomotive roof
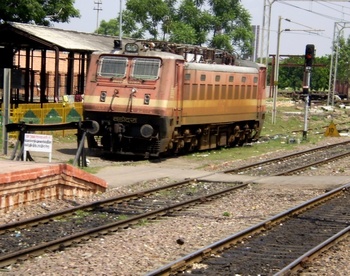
pixel 221 68
pixel 240 66
pixel 146 53
pixel 196 57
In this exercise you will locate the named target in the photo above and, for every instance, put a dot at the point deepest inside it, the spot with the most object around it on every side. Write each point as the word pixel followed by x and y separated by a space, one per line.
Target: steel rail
pixel 284 157
pixel 339 156
pixel 7 259
pixel 187 261
pixel 89 206
pixel 313 253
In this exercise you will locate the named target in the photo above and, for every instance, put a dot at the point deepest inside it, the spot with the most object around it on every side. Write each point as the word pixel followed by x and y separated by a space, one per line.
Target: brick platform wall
pixel 30 183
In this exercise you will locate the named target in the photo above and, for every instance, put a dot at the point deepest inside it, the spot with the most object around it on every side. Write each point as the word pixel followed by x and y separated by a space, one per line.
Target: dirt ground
pixel 249 206
pixel 126 171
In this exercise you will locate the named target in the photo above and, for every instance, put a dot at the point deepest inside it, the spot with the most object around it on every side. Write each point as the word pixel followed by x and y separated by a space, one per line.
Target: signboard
pixel 332 131
pixel 37 142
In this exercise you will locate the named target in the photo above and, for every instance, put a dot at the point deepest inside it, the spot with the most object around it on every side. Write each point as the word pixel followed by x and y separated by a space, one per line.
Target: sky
pixel 309 22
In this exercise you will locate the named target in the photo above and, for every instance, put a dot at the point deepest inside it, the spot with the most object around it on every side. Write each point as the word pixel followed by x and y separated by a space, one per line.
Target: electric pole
pixel 98 8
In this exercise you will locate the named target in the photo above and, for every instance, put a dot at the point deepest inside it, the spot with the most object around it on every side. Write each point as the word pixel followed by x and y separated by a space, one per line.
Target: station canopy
pixel 22 35
pixel 16 37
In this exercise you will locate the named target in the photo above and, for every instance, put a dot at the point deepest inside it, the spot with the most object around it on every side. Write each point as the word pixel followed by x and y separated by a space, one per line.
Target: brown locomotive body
pixel 149 101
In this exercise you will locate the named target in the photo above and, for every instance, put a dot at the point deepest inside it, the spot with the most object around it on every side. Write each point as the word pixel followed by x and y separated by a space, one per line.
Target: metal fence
pixel 47 113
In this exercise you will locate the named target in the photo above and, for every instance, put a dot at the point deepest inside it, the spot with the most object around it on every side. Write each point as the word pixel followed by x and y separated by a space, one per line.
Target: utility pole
pixel 309 56
pixel 277 62
pixel 98 9
pixel 266 25
pixel 120 21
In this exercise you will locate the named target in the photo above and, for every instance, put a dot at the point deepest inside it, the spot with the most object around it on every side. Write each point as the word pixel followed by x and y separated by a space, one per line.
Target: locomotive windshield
pixel 145 68
pixel 116 67
pixel 112 67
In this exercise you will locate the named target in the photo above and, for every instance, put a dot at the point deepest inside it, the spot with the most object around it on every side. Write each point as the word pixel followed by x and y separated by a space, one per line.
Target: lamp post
pixel 277 63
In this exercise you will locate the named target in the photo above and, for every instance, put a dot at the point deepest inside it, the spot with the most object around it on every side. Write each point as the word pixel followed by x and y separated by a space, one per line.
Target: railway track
pixel 55 231
pixel 295 162
pixel 280 245
pixel 115 214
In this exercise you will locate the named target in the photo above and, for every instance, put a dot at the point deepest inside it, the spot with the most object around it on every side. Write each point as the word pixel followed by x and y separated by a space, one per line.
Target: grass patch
pixel 226 214
pixel 241 153
pixel 122 217
pixel 142 222
pixel 81 214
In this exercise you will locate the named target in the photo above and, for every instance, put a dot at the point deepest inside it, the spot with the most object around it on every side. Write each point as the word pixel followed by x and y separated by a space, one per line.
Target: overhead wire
pixel 333 4
pixel 311 11
pixel 321 3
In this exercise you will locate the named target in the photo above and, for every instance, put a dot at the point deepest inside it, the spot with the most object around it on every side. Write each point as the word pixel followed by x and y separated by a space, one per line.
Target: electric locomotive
pixel 151 98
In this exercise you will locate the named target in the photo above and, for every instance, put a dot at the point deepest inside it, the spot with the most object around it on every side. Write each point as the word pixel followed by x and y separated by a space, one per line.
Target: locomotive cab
pixel 130 94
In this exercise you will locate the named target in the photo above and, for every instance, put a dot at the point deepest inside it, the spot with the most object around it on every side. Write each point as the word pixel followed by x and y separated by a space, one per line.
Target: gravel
pixel 136 251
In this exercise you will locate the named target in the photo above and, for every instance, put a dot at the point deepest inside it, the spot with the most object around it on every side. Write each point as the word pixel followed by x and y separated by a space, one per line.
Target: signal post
pixel 309 56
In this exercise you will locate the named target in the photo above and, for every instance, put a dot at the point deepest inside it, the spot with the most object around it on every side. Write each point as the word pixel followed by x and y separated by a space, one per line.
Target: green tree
pixel 223 24
pixel 201 21
pixel 109 28
pixel 129 28
pixel 232 26
pixel 150 14
pixel 291 73
pixel 320 73
pixel 183 33
pixel 40 12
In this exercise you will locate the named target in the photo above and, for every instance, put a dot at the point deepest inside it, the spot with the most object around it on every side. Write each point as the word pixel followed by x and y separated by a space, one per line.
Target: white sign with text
pixel 37 142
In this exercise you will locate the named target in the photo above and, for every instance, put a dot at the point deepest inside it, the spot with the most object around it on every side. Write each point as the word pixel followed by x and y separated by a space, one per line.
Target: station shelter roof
pixel 15 37
pixel 20 35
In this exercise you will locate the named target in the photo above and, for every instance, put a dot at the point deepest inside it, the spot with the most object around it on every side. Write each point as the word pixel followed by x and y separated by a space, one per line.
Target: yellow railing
pixel 47 113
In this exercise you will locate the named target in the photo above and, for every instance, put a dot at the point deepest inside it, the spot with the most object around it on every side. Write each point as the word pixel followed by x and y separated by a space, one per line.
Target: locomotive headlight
pixel 146 131
pixel 131 48
pixel 146 99
pixel 94 128
pixel 103 96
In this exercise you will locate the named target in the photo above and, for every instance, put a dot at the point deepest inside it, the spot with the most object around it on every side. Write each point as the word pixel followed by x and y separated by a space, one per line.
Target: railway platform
pixel 25 182
pixel 127 175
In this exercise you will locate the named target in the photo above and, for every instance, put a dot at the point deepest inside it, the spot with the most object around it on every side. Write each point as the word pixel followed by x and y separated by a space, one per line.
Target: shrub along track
pixel 54 231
